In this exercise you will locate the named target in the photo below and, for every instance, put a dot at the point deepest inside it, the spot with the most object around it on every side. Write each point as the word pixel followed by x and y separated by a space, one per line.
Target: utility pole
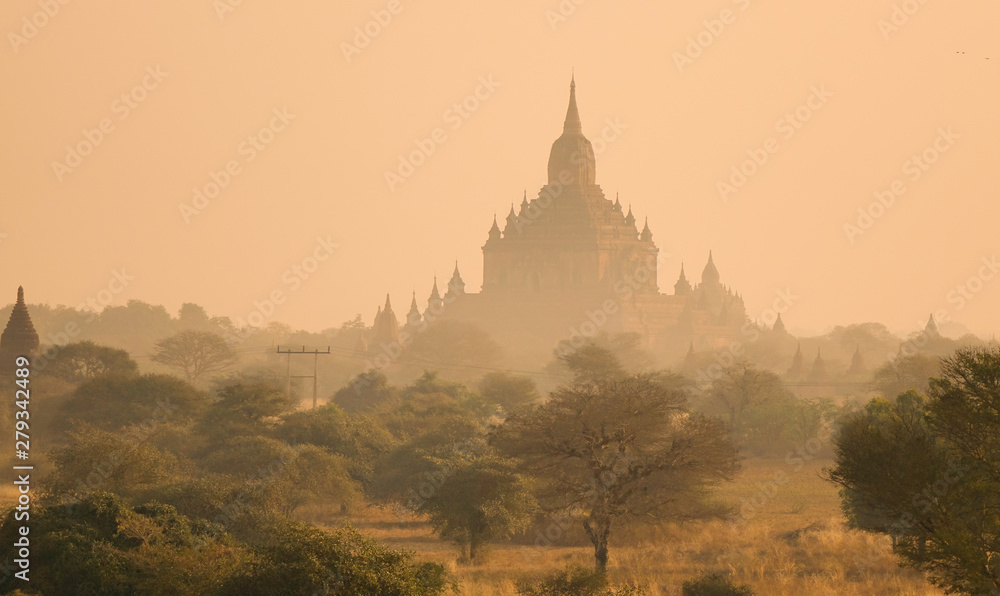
pixel 315 352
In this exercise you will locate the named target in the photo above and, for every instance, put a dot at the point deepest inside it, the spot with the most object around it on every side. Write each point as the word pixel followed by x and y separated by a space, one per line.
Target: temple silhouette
pixel 572 263
pixel 18 338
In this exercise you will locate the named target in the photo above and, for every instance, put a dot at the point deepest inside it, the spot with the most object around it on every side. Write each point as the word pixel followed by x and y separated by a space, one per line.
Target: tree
pixel 618 447
pixel 904 373
pixel 195 353
pixel 366 391
pixel 299 474
pixel 359 438
pixel 478 498
pixel 625 347
pixel 113 401
pixel 926 472
pixel 193 316
pixel 94 460
pixel 300 559
pixel 742 386
pixel 105 547
pixel 246 409
pixel 507 390
pixel 81 361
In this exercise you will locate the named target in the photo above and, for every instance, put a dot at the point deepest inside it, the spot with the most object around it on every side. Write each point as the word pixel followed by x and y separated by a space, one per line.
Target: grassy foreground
pixel 789 540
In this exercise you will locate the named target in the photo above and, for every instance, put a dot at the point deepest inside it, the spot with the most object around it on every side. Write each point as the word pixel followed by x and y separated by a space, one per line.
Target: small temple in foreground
pixel 19 337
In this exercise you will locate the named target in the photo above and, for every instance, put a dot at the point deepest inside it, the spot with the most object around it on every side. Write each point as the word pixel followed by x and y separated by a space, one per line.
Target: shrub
pixel 714 584
pixel 576 581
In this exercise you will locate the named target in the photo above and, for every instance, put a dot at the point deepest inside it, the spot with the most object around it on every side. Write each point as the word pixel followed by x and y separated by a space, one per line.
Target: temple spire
pixel 434 302
pixel 646 235
pixel 779 325
pixel 413 317
pixel 710 274
pixel 931 329
pixel 456 287
pixel 572 124
pixel 683 286
pixel 494 229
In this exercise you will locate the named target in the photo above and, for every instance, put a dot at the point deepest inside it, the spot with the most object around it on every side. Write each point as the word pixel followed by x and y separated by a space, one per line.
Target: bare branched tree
pixel 195 353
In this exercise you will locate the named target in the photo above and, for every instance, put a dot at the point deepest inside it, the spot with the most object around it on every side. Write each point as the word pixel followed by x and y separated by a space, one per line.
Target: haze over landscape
pixel 515 299
pixel 682 117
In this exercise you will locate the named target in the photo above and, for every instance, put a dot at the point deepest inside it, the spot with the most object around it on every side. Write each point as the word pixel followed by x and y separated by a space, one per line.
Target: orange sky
pixel 199 80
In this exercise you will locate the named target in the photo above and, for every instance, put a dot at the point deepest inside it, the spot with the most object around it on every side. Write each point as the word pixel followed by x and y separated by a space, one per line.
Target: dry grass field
pixel 793 544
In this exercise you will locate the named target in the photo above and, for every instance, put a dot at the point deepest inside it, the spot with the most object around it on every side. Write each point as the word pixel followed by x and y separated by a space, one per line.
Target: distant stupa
pixel 857 363
pixel 931 329
pixel 798 366
pixel 818 373
pixel 779 325
pixel 19 338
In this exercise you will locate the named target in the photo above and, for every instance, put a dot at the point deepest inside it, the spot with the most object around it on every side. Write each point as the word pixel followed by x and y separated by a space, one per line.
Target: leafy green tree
pixel 742 386
pixel 474 499
pixel 113 401
pixel 246 409
pixel 357 437
pixel 619 447
pixel 368 390
pixel 297 558
pixel 507 390
pixel 784 423
pixel 300 474
pixel 104 547
pixel 116 462
pixel 195 353
pixel 81 361
pixel 925 472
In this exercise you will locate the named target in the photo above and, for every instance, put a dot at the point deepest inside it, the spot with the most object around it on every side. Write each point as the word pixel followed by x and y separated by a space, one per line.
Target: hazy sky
pixel 869 97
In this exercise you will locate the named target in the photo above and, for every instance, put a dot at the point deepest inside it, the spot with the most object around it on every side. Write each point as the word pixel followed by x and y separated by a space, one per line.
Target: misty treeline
pixel 157 482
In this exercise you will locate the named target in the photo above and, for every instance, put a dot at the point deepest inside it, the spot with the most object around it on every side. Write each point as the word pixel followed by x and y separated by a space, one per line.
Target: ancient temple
pixel 19 337
pixel 572 263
